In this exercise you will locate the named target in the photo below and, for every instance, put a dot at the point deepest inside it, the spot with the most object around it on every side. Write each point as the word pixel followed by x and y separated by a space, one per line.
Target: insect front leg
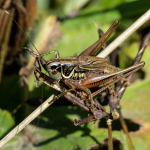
pixel 69 96
pixel 41 55
pixel 37 67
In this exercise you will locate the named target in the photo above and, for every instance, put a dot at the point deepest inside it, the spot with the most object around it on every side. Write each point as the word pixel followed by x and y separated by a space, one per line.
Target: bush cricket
pixel 84 71
pixel 80 73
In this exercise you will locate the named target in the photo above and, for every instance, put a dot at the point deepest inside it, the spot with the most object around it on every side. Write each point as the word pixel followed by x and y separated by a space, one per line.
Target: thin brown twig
pixel 110 140
pixel 125 129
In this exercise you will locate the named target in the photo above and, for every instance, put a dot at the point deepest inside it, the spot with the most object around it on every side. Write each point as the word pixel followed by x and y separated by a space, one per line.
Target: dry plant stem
pixel 125 35
pixel 110 141
pixel 26 121
pixel 125 129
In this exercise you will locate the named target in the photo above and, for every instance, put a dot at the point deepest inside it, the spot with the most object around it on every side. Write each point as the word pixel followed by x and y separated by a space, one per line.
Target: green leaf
pixel 6 122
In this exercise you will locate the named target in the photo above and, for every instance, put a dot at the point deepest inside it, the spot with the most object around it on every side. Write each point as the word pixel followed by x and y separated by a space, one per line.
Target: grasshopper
pixel 80 73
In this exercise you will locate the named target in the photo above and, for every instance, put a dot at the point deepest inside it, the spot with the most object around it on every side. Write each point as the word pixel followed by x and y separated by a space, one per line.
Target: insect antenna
pixel 20 28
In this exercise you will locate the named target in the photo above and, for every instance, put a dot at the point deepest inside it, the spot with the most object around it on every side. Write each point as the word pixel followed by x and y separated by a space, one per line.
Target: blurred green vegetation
pixel 56 129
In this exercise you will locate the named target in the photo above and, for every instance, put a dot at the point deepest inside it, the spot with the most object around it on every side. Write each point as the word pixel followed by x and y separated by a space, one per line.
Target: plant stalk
pixel 110 141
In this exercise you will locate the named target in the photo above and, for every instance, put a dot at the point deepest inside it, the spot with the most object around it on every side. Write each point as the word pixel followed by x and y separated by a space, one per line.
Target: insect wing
pixel 98 78
pixel 94 48
pixel 92 63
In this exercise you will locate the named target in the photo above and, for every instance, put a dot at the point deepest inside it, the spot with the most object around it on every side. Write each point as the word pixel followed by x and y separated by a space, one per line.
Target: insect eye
pixel 53 67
